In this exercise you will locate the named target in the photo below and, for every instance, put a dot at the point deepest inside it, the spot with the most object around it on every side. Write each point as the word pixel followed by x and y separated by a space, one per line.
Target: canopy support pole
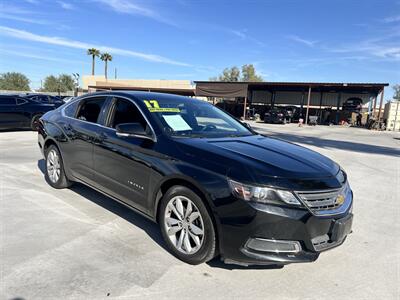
pixel 244 110
pixel 308 103
pixel 380 103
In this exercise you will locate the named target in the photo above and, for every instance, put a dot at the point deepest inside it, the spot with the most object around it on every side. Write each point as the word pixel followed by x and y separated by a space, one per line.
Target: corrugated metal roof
pixel 338 84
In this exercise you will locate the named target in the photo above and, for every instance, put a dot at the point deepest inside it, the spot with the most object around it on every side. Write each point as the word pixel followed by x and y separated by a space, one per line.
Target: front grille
pixel 323 201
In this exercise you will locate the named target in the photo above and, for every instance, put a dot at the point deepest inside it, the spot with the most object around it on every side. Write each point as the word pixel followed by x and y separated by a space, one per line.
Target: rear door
pixel 81 130
pixel 24 112
pixel 8 113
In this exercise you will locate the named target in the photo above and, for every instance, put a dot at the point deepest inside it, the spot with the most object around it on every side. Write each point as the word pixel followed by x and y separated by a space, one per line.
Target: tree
pixel 14 81
pixel 233 74
pixel 396 94
pixel 94 53
pixel 106 57
pixel 230 74
pixel 51 84
pixel 67 82
pixel 249 73
pixel 63 83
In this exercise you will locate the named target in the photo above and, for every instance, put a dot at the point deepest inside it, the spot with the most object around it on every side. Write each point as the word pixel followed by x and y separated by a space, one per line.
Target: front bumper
pixel 313 233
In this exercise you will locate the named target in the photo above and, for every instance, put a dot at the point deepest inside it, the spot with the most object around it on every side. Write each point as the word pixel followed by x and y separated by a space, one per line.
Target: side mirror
pixel 133 130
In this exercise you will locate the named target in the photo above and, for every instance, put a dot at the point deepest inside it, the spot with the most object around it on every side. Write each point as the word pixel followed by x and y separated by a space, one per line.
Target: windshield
pixel 182 117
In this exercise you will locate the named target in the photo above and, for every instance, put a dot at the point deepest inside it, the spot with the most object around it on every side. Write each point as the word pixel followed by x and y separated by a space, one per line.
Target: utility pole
pixel 115 73
pixel 76 76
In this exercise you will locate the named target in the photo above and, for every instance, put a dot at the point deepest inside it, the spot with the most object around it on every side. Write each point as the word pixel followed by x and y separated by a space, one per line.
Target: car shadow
pixel 15 130
pixel 143 223
pixel 217 263
pixel 116 208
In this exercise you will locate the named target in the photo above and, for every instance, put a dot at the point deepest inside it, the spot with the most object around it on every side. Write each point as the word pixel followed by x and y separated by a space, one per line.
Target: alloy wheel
pixel 53 166
pixel 184 225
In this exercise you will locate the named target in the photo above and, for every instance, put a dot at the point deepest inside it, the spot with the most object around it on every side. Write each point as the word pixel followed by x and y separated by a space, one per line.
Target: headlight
pixel 262 194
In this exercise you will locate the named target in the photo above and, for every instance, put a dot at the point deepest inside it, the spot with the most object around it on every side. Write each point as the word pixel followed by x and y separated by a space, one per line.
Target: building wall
pixel 294 98
pixel 142 83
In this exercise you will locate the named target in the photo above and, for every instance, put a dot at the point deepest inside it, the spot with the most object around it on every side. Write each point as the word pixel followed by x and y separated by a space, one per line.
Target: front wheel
pixel 55 174
pixel 186 226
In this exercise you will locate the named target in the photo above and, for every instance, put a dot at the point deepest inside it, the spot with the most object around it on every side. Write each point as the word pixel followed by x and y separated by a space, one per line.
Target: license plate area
pixel 341 228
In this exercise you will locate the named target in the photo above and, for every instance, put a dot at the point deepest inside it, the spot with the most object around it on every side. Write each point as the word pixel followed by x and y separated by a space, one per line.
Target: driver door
pixel 123 164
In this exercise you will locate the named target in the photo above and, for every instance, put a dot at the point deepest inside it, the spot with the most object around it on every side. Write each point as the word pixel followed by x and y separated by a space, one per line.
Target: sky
pixel 286 40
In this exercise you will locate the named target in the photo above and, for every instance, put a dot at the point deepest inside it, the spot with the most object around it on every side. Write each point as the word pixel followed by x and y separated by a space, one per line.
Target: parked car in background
pixel 276 116
pixel 352 105
pixel 292 113
pixel 68 99
pixel 214 186
pixel 43 98
pixel 18 112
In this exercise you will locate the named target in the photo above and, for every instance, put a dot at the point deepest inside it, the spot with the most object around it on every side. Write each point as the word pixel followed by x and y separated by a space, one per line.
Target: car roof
pixel 142 95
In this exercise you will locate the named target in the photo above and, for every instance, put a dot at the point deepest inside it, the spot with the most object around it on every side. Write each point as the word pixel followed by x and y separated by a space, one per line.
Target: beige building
pixel 98 83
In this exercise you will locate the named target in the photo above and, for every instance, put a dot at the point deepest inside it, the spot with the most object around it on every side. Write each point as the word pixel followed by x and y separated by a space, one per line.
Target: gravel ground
pixel 79 244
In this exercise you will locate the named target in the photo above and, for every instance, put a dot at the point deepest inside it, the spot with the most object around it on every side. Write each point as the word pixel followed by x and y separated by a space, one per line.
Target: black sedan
pixel 18 112
pixel 43 98
pixel 214 186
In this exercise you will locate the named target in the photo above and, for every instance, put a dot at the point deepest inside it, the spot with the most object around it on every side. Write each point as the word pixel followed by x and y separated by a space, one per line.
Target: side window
pixel 7 100
pixel 21 101
pixel 126 112
pixel 70 110
pixel 90 109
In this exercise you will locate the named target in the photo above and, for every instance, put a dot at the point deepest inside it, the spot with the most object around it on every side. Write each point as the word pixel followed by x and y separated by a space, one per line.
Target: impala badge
pixel 135 185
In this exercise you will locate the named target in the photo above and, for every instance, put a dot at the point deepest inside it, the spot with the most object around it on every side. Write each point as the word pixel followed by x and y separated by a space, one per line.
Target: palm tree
pixel 93 52
pixel 106 57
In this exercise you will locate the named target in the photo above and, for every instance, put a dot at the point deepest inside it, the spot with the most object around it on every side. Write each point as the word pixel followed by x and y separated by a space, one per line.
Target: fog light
pixel 277 246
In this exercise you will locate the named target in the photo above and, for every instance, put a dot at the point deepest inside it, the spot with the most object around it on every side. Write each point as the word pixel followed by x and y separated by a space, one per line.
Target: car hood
pixel 264 156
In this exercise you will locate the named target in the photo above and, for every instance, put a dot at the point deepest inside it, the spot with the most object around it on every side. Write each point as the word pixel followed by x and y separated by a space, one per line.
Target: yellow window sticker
pixel 153 106
pixel 151 103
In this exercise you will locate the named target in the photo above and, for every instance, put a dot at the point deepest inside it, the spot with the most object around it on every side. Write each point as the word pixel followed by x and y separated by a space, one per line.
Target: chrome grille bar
pixel 324 202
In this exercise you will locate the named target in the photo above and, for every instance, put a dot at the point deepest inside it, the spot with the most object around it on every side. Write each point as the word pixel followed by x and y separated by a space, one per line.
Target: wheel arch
pixel 50 141
pixel 189 183
pixel 171 181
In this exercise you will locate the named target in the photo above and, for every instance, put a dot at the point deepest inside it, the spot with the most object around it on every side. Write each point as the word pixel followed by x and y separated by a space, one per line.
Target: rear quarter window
pixel 70 110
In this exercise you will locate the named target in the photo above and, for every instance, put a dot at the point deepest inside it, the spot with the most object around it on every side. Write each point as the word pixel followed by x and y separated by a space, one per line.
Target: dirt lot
pixel 79 244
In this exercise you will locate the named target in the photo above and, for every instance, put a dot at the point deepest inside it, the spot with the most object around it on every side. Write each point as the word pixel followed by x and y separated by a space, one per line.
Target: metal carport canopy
pixel 239 89
pixel 221 89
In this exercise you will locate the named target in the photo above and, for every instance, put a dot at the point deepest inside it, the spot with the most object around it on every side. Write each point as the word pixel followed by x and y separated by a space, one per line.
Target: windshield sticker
pixel 151 103
pixel 177 123
pixel 153 106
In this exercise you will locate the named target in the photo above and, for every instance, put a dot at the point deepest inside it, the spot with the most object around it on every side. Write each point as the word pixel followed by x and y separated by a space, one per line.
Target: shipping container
pixel 392 115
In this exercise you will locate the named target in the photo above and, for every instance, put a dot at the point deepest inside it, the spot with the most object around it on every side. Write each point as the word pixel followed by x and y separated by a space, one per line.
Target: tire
pixel 183 235
pixel 34 122
pixel 54 171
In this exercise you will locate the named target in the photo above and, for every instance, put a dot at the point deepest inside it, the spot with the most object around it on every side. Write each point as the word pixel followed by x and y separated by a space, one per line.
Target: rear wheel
pixel 55 174
pixel 186 226
pixel 35 122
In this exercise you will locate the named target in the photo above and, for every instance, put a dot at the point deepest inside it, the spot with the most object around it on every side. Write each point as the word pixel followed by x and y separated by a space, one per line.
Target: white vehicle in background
pixel 68 99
